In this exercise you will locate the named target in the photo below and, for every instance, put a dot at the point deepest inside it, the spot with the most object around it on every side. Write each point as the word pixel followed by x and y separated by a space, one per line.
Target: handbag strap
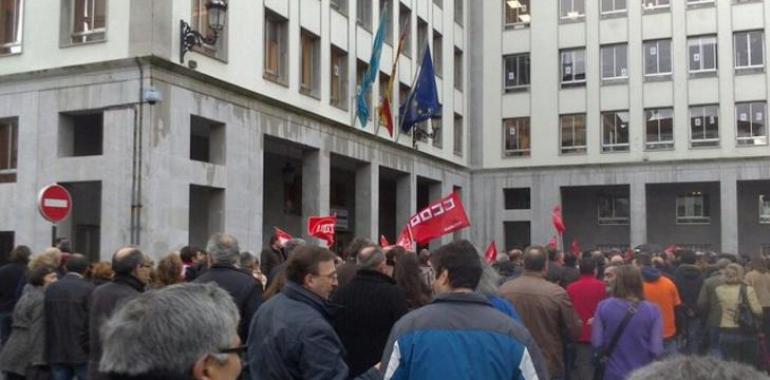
pixel 632 309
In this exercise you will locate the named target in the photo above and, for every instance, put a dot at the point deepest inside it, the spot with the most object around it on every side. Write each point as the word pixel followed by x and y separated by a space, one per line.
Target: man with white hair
pixel 184 331
pixel 243 288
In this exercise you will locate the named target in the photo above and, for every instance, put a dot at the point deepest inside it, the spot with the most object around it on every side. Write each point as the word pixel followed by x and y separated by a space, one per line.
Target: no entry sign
pixel 54 203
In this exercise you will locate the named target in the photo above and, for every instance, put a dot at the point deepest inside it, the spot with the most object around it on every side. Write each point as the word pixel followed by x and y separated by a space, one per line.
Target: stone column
pixel 367 214
pixel 638 210
pixel 435 192
pixel 406 200
pixel 315 186
pixel 728 205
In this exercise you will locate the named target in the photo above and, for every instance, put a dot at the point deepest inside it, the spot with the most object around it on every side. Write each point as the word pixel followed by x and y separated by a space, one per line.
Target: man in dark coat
pixel 348 269
pixel 132 273
pixel 688 278
pixel 12 280
pixel 244 288
pixel 66 321
pixel 291 336
pixel 271 256
pixel 288 249
pixel 371 305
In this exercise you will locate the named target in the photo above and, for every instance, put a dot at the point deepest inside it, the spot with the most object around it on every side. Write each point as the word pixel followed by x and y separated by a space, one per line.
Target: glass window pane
pixel 695 55
pixel 580 65
pixel 566 7
pixel 620 56
pixel 755 41
pixel 650 58
pixel 524 69
pixel 741 50
pixel 664 56
pixel 608 62
pixel 607 5
pixel 742 112
pixel 100 15
pixel 709 54
pixel 620 5
pixel 758 119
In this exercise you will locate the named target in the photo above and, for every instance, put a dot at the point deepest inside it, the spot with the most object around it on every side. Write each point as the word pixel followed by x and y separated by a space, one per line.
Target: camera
pixel 152 96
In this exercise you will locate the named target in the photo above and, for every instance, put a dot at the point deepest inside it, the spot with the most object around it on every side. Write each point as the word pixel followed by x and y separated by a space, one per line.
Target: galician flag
pixel 374 69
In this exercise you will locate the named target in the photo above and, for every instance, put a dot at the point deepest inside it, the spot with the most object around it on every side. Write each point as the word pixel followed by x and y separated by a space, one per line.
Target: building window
pixel 653 4
pixel 749 51
pixel 750 119
pixel 613 209
pixel 458 75
pixel 339 5
pixel 438 137
pixel 81 134
pixel 704 126
pixel 199 21
pixel 764 209
pixel 516 74
pixel 700 2
pixel 615 131
pixel 702 52
pixel 614 61
pixel 87 21
pixel 613 6
pixel 659 127
pixel 276 30
pixel 9 136
pixel 572 9
pixel 11 17
pixel 657 57
pixel 438 53
pixel 517 198
pixel 339 78
pixel 309 83
pixel 459 11
pixel 207 140
pixel 422 39
pixel 458 135
pixel 361 68
pixel 388 33
pixel 364 13
pixel 573 66
pixel 516 13
pixel 405 24
pixel 516 136
pixel 692 208
pixel 440 3
pixel 573 133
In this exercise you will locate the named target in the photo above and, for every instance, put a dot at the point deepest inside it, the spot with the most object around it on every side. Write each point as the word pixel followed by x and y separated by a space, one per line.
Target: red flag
pixel 575 248
pixel 282 236
pixel 671 249
pixel 443 216
pixel 384 241
pixel 491 253
pixel 552 243
pixel 322 227
pixel 406 240
pixel 558 221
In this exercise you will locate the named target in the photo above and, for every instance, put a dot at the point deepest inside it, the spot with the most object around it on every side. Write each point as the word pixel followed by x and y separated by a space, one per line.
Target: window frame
pixel 657 5
pixel 281 74
pixel 518 124
pixel 659 144
pixel 616 147
pixel 405 25
pixel 565 16
pixel 646 46
pixel 704 142
pixel 744 140
pixel 366 22
pixel 764 218
pixel 747 34
pixel 701 51
pixel 459 20
pixel 573 53
pixel 314 88
pixel 341 6
pixel 614 11
pixel 95 35
pixel 686 219
pixel 572 149
pixel 613 219
pixel 342 102
pixel 16 46
pixel 8 174
pixel 438 53
pixel 517 13
pixel 517 66
pixel 614 48
pixel 458 69
pixel 457 133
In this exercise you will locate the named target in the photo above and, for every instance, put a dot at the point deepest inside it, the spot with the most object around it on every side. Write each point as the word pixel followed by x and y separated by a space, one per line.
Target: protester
pixel 428 274
pixel 100 273
pixel 759 279
pixel 250 264
pixel 275 287
pixel 736 343
pixel 66 321
pixel 488 286
pixel 392 254
pixel 505 267
pixel 585 294
pixel 555 265
pixel 460 335
pixel 688 279
pixel 194 262
pixel 371 304
pixel 708 304
pixel 169 271
pixel 347 270
pixel 291 335
pixel 661 291
pixel 409 278
pixel 23 357
pixel 12 281
pixel 132 274
pixel 288 250
pixel 641 339
pixel 272 255
pixel 545 309
pixel 243 288
pixel 184 331
pixel 50 256
pixel 693 367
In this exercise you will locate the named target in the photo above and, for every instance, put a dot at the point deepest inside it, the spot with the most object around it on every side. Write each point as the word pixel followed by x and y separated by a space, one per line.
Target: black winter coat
pixel 269 259
pixel 12 281
pixel 66 320
pixel 688 280
pixel 370 305
pixel 243 287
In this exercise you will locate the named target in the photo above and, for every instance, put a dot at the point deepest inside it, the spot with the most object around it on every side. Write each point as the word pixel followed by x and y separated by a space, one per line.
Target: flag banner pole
pixel 411 89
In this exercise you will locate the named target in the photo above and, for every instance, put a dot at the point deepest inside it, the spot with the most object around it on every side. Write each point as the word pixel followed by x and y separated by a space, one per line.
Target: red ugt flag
pixel 491 254
pixel 444 216
pixel 282 236
pixel 322 227
pixel 558 221
pixel 406 240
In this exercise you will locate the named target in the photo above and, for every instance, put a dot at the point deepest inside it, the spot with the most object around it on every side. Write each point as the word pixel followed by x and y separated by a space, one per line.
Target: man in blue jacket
pixel 460 335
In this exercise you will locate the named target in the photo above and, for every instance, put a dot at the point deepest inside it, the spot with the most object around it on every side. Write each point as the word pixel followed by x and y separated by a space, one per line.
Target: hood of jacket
pixel 650 274
pixel 688 271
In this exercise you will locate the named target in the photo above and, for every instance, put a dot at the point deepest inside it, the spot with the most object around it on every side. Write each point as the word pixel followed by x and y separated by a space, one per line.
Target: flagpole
pixel 414 81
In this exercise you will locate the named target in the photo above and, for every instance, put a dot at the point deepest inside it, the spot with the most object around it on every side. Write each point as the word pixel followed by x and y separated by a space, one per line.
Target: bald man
pixel 132 273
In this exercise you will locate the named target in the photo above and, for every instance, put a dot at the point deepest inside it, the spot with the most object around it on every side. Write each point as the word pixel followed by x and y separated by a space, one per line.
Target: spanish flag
pixel 385 114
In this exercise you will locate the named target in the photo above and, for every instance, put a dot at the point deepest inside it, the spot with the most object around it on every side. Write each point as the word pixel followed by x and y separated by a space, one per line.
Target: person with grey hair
pixel 692 367
pixel 245 290
pixel 708 305
pixel 371 304
pixel 183 331
pixel 488 286
pixel 288 250
pixel 250 264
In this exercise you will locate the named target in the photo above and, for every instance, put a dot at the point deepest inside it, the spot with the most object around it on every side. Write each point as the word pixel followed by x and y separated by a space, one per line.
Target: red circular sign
pixel 54 203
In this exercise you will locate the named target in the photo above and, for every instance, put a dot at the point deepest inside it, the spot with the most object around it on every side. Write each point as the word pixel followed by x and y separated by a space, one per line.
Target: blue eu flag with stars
pixel 422 103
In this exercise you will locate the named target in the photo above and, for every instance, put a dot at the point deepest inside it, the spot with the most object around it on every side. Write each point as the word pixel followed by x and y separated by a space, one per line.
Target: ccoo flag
pixel 362 108
pixel 422 103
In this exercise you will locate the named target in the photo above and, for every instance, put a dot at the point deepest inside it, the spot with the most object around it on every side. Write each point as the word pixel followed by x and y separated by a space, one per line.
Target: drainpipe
pixel 136 164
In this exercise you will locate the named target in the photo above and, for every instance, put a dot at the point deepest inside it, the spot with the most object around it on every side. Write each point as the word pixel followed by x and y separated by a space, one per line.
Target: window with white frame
pixel 657 57
pixel 750 121
pixel 572 9
pixel 438 53
pixel 702 54
pixel 364 13
pixel 9 135
pixel 516 13
pixel 405 25
pixel 655 4
pixel 615 131
pixel 88 21
pixel 459 11
pixel 613 6
pixel 384 5
pixel 458 74
pixel 659 129
pixel 749 50
pixel 693 208
pixel 11 20
pixel 764 208
pixel 613 209
pixel 438 136
pixel 276 46
pixel 704 126
pixel 339 5
pixel 516 136
pixel 614 61
pixel 573 66
pixel 457 146
pixel 516 71
pixel 572 130
pixel 310 60
pixel 339 78
pixel 699 1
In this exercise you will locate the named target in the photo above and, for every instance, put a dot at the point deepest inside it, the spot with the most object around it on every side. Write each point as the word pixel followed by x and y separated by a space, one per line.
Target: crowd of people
pixel 299 311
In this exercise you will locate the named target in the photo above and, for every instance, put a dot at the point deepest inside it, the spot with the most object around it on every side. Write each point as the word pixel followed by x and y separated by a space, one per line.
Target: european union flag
pixel 422 103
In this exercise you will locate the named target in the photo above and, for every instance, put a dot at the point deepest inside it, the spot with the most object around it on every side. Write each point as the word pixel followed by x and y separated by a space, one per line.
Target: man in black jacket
pixel 689 280
pixel 271 256
pixel 66 321
pixel 244 288
pixel 371 305
pixel 12 280
pixel 132 273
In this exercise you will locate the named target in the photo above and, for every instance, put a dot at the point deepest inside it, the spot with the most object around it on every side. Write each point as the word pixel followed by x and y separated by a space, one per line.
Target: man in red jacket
pixel 585 294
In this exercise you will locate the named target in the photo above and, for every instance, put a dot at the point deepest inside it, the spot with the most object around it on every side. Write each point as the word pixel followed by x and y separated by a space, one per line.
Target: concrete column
pixel 315 186
pixel 728 204
pixel 406 200
pixel 435 192
pixel 545 195
pixel 638 210
pixel 367 216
